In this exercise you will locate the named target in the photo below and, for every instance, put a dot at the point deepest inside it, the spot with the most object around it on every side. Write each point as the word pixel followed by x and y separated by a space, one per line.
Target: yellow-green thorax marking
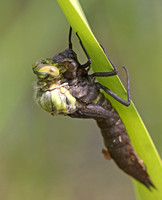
pixel 52 90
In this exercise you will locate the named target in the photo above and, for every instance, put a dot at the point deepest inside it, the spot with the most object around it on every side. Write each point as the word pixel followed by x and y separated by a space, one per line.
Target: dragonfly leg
pixel 105 74
pixel 92 111
pixel 70 43
pixel 115 96
pixel 115 69
pixel 87 64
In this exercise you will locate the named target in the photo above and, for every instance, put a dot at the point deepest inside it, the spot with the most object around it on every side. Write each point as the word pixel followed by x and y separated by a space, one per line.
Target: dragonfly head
pixel 47 70
pixel 51 70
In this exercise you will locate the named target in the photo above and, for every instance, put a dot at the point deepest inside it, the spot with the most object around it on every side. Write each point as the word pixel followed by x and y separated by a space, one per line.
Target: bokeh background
pixel 45 157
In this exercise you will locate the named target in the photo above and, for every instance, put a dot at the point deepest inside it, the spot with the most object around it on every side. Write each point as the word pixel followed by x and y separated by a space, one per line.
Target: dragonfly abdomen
pixel 120 148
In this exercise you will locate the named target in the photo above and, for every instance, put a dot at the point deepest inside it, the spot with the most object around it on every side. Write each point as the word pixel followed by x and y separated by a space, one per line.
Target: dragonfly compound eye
pixel 49 70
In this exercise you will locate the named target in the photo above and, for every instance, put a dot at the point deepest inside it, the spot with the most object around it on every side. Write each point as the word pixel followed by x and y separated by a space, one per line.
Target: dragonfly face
pixel 56 69
pixel 46 70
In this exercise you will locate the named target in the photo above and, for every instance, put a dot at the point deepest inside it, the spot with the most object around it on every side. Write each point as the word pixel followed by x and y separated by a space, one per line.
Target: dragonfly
pixel 65 87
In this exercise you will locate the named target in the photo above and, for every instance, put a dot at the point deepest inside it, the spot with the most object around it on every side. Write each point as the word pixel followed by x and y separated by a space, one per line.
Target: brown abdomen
pixel 120 148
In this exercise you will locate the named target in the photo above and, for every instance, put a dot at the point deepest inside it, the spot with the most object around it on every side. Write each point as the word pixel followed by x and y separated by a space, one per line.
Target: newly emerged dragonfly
pixel 64 87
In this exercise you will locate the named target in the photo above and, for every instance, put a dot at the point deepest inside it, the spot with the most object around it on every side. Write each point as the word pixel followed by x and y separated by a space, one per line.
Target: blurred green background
pixel 45 157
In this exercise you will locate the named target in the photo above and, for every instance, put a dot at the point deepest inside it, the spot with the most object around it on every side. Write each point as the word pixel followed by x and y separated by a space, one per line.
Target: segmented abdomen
pixel 119 146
